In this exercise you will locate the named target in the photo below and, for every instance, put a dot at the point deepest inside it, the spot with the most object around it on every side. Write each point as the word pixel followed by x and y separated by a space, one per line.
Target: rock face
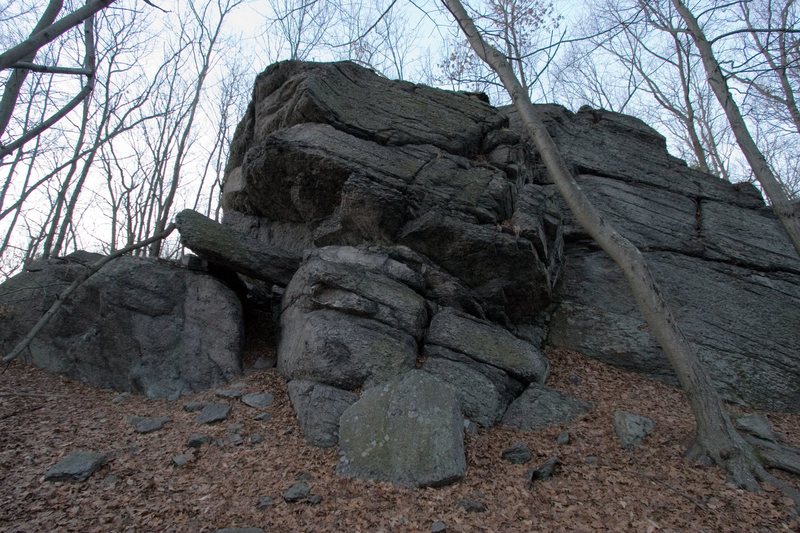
pixel 137 325
pixel 720 256
pixel 358 158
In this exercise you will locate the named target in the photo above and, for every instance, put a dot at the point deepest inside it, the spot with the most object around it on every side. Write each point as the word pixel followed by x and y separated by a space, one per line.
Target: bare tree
pixel 716 436
pixel 301 25
pixel 516 27
pixel 788 213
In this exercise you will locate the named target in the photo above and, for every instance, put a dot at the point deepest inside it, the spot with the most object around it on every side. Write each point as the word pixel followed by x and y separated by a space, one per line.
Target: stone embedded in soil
pixel 193 407
pixel 183 459
pixel 472 506
pixel 147 424
pixel 263 417
pixel 196 440
pixel 256 438
pixel 543 471
pixel 77 466
pixel 541 406
pixel 518 454
pixel 438 527
pixel 631 429
pixel 258 400
pixel 265 502
pixel 213 412
pixel 229 394
pixel 314 499
pixel 235 439
pixel 297 492
pixel 563 438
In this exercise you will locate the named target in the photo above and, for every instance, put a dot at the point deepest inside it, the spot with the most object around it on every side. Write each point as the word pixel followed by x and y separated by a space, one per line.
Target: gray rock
pixel 357 100
pixel 193 407
pixel 120 398
pixel 563 438
pixel 481 401
pixel 223 246
pixel 438 527
pixel 472 506
pixel 77 466
pixel 256 438
pixel 197 440
pixel 314 499
pixel 297 492
pixel 487 343
pixel 318 408
pixel 257 400
pixel 345 324
pixel 182 459
pixel 540 406
pixel 741 321
pixel 518 454
pixel 631 429
pixel 147 424
pixel 755 425
pixel 263 417
pixel 213 412
pixel 543 472
pixel 228 394
pixel 234 439
pixel 265 502
pixel 139 325
pixel 408 431
pixel 504 270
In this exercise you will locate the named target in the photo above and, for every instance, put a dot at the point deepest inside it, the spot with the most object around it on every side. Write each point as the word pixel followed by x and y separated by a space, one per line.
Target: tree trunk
pixel 788 214
pixel 716 436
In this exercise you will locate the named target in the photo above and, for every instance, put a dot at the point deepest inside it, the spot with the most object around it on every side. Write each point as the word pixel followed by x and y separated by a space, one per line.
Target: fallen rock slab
pixel 257 400
pixel 213 412
pixel 223 246
pixel 77 466
pixel 541 406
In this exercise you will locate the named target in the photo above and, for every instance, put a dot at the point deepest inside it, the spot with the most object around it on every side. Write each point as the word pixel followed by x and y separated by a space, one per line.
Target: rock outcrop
pixel 137 325
pixel 722 259
pixel 423 261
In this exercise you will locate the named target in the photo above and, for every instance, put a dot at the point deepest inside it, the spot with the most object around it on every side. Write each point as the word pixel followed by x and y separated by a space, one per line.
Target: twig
pixel 93 268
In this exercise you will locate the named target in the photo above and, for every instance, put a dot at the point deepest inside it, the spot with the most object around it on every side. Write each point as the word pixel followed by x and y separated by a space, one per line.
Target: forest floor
pixel 599 485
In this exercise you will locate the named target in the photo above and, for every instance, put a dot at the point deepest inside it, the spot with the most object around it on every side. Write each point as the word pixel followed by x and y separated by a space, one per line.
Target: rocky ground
pixel 257 454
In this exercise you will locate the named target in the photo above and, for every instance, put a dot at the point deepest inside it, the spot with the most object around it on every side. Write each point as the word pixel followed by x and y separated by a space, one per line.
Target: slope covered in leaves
pixel 599 486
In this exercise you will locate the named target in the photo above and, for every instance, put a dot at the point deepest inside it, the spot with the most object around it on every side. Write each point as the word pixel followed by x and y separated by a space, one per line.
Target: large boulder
pixel 358 158
pixel 350 318
pixel 408 431
pixel 137 325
